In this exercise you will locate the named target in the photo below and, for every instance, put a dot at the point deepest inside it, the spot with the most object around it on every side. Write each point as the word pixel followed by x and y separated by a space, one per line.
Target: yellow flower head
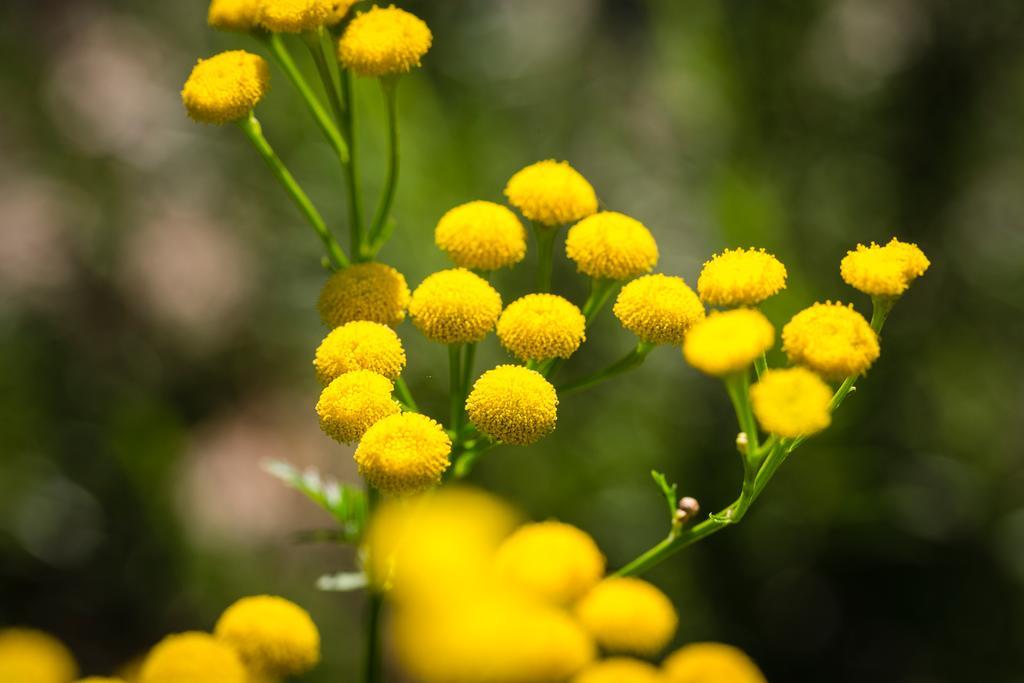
pixel 233 15
pixel 339 9
pixel 710 663
pixel 611 245
pixel 883 271
pixel 100 679
pixel 193 657
pixel 623 670
pixel 455 307
pixel 404 454
pixel 364 291
pixel 556 562
pixel 384 42
pixel 275 637
pixel 513 404
pixel 360 345
pixel 727 342
pixel 741 277
pixel 551 193
pixel 354 402
pixel 791 402
pixel 658 309
pixel 541 326
pixel 29 656
pixel 481 235
pixel 628 615
pixel 294 16
pixel 225 87
pixel 832 339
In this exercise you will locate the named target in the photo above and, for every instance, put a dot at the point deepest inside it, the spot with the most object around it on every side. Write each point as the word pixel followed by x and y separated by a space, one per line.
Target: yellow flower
pixel 711 663
pixel 404 454
pixel 100 679
pixel 364 291
pixel 294 16
pixel 541 326
pixel 727 342
pixel 883 271
pixel 225 87
pixel 339 8
pixel 553 561
pixel 741 277
pixel 383 42
pixel 832 339
pixel 455 307
pixel 360 345
pixel 623 670
pixel 628 615
pixel 551 193
pixel 791 402
pixel 193 657
pixel 513 404
pixel 658 309
pixel 481 235
pixel 29 656
pixel 275 637
pixel 490 637
pixel 354 402
pixel 611 245
pixel 233 15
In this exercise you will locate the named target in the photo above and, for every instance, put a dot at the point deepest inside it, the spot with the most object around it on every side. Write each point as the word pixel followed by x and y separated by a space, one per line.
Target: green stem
pixel 631 360
pixel 455 398
pixel 280 53
pixel 738 386
pixel 316 42
pixel 465 462
pixel 355 196
pixel 601 291
pixel 252 129
pixel 404 395
pixel 761 365
pixel 389 87
pixel 545 255
pixel 673 544
pixel 467 368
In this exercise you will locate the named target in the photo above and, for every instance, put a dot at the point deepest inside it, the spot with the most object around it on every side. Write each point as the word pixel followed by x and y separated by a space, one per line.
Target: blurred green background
pixel 157 315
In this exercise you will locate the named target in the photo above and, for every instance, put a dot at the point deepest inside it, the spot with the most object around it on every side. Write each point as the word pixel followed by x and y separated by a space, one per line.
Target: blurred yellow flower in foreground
pixel 628 615
pixel 274 636
pixel 791 402
pixel 193 657
pixel 30 656
pixel 556 562
pixel 622 670
pixel 728 342
pixel 711 663
pixel 225 87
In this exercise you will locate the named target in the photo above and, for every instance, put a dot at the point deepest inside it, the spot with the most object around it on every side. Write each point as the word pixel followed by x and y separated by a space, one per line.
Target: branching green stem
pixel 252 129
pixel 389 87
pixel 601 291
pixel 633 359
pixel 465 462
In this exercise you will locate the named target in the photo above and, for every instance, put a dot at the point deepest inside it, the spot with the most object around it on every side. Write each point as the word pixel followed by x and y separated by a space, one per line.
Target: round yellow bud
pixel 612 246
pixel 741 277
pixel 623 670
pixel 832 339
pixel 791 402
pixel 709 663
pixel 294 16
pixel 354 402
pixel 513 404
pixel 359 345
pixel 225 87
pixel 275 637
pixel 404 454
pixel 883 271
pixel 193 657
pixel 482 236
pixel 541 326
pixel 727 342
pixel 384 41
pixel 628 615
pixel 233 15
pixel 551 193
pixel 658 309
pixel 29 656
pixel 455 307
pixel 364 291
pixel 556 562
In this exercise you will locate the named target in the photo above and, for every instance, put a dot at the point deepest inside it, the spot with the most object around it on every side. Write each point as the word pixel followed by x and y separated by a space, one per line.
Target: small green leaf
pixel 342 581
pixel 347 504
pixel 668 490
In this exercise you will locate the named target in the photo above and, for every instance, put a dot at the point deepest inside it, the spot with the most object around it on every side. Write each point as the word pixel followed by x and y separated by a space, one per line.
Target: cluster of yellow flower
pixel 259 638
pixel 481 598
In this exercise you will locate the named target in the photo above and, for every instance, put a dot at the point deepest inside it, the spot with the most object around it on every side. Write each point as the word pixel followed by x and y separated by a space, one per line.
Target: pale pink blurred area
pixel 112 88
pixel 186 272
pixel 227 499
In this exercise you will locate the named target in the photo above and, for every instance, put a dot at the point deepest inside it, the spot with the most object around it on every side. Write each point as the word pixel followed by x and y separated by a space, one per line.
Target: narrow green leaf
pixel 347 504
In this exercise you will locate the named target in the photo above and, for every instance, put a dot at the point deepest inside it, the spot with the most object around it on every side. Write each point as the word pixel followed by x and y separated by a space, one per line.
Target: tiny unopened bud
pixel 741 442
pixel 688 508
